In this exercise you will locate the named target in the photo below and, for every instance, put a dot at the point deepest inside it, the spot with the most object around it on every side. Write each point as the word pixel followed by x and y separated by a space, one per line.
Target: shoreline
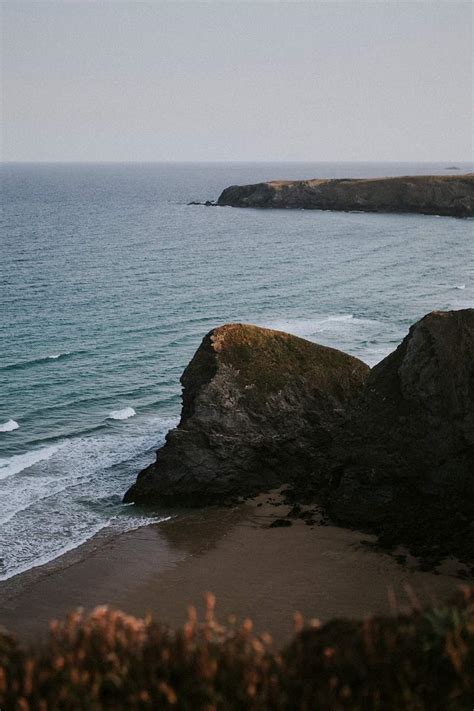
pixel 255 571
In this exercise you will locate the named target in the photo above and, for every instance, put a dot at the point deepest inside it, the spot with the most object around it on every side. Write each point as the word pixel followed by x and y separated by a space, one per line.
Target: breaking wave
pixel 74 488
pixel 122 414
pixel 9 426
pixel 23 364
pixel 16 464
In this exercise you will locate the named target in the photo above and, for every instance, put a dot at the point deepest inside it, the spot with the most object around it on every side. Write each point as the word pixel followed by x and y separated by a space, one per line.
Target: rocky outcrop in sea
pixel 451 195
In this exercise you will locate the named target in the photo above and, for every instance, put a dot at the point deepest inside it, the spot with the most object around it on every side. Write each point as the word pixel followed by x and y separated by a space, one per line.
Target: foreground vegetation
pixel 109 660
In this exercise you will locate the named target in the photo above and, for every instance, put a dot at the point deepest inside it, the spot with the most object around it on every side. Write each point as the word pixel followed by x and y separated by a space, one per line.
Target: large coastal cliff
pixel 450 195
pixel 391 450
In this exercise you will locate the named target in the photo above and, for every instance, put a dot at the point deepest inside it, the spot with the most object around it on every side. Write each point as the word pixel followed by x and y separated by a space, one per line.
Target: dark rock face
pixel 405 458
pixel 428 194
pixel 259 407
pixel 390 450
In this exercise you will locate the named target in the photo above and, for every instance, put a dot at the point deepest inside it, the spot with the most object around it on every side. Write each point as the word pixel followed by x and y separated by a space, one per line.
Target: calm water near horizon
pixel 108 282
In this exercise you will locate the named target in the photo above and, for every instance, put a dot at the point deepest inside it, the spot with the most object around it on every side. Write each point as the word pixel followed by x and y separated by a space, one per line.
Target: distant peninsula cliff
pixel 449 195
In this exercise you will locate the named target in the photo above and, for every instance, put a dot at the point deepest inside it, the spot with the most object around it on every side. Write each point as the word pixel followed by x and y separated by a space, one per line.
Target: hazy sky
pixel 144 81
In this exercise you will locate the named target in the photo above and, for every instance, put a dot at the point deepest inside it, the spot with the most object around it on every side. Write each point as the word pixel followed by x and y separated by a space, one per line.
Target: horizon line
pixel 155 162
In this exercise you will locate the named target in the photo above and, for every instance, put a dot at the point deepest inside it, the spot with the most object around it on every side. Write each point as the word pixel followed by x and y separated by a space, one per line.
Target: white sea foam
pixel 19 462
pixel 131 525
pixel 71 464
pixel 40 560
pixel 55 356
pixel 34 490
pixel 74 491
pixel 461 287
pixel 9 426
pixel 333 329
pixel 122 414
pixel 319 324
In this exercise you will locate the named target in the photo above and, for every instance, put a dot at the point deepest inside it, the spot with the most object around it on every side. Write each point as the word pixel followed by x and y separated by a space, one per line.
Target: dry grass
pixel 110 660
pixel 267 361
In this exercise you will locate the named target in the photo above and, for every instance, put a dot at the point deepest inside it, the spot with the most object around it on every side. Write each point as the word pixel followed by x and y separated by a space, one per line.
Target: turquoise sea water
pixel 108 281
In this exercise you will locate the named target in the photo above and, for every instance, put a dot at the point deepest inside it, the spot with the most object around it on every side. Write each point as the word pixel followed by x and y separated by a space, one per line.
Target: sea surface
pixel 108 282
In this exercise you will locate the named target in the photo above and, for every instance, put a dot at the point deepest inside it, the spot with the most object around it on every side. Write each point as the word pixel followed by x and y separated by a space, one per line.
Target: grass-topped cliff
pixel 265 362
pixel 258 404
pixel 451 195
pixel 390 451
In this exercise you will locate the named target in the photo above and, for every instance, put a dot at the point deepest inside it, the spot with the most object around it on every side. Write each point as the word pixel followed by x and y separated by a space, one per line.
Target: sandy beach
pixel 255 571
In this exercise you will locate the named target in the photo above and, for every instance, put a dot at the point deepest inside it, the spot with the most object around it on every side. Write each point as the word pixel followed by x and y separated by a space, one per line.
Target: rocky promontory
pixel 389 450
pixel 403 464
pixel 259 406
pixel 450 195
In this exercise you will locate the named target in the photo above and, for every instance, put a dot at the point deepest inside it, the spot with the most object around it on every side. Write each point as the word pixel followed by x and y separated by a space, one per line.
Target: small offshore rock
pixel 207 203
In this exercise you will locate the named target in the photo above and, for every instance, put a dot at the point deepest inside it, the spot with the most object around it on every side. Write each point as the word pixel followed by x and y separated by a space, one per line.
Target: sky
pixel 386 80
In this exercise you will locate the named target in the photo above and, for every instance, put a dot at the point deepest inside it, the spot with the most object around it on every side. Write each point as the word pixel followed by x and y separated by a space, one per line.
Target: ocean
pixel 109 281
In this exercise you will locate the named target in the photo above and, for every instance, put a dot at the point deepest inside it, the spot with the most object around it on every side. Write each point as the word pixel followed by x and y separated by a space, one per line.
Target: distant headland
pixel 447 195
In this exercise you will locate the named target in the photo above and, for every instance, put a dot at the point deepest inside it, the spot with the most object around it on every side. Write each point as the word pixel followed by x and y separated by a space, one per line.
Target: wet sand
pixel 255 571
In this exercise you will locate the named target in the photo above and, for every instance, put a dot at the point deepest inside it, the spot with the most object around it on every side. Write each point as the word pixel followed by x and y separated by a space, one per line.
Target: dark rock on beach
pixel 280 523
pixel 389 451
pixel 404 462
pixel 451 195
pixel 259 407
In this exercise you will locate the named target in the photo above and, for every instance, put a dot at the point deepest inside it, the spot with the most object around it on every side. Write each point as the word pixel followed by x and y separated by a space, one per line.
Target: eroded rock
pixel 259 408
pixel 404 461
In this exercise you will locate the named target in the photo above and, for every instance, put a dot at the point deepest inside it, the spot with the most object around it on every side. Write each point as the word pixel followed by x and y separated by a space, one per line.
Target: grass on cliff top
pixel 110 660
pixel 389 180
pixel 267 361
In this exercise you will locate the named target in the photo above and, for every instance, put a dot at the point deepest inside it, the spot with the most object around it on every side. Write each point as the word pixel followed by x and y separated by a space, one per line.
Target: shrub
pixel 110 660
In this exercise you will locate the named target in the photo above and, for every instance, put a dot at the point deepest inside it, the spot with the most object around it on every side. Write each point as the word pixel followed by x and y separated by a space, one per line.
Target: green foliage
pixel 267 361
pixel 109 660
